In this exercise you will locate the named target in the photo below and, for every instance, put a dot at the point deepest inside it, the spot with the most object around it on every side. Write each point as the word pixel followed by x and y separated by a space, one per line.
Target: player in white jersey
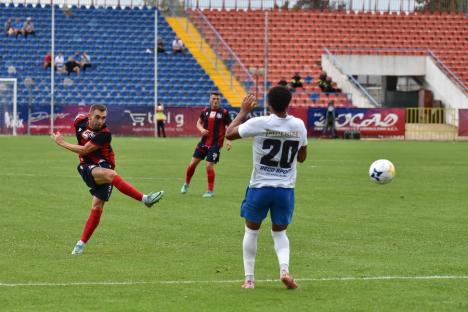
pixel 280 140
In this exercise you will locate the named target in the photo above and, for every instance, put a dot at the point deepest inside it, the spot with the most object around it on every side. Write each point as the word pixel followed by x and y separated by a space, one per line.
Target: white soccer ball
pixel 382 171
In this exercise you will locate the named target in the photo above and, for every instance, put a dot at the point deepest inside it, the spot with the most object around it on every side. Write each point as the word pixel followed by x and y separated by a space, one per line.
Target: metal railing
pixel 405 51
pixel 430 115
pixel 431 124
pixel 350 77
pixel 224 53
pixel 460 6
pixel 455 79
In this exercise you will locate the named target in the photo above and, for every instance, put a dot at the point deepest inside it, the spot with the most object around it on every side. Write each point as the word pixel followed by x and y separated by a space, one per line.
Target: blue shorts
pixel 258 201
pixel 101 191
pixel 211 153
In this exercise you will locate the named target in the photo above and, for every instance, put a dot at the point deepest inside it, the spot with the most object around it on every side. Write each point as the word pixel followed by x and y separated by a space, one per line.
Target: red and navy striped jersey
pixel 101 138
pixel 215 121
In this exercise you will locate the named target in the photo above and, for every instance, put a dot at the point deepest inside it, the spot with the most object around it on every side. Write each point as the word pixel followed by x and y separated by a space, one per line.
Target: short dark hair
pixel 215 93
pixel 98 107
pixel 279 98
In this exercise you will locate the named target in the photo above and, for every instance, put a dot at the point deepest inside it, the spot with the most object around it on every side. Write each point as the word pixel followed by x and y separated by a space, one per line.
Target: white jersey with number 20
pixel 276 143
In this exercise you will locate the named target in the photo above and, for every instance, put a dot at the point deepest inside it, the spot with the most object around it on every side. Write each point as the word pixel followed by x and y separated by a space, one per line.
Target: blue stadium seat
pixel 119 52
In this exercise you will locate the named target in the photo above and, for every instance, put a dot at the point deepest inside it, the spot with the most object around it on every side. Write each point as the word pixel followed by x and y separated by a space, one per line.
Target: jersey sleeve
pixel 227 118
pixel 102 138
pixel 250 128
pixel 303 130
pixel 78 119
pixel 202 115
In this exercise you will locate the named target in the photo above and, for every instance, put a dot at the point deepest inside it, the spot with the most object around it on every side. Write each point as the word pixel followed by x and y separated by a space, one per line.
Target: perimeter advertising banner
pixel 463 122
pixel 181 121
pixel 369 121
pixel 122 120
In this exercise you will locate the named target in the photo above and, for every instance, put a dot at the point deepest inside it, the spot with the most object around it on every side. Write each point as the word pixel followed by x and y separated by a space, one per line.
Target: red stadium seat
pixel 299 48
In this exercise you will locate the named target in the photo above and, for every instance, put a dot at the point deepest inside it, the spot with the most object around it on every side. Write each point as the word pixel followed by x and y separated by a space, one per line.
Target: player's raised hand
pixel 249 103
pixel 57 137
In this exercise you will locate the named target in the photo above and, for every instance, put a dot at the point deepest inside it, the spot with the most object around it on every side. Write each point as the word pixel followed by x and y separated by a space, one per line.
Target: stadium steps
pixel 206 57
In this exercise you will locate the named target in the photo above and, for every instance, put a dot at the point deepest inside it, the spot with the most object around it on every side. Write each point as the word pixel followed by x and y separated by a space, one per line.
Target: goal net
pixel 9 117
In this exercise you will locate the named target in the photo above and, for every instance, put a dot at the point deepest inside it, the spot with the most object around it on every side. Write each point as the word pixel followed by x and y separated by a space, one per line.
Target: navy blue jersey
pixel 101 138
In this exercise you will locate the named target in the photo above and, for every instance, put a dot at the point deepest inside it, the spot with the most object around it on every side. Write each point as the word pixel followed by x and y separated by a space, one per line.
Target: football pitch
pixel 355 245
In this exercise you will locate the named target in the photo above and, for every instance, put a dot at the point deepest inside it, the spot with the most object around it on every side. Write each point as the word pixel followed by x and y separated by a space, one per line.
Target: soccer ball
pixel 382 171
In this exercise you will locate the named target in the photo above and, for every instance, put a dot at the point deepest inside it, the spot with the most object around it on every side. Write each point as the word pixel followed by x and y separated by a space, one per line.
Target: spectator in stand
pixel 328 85
pixel 335 88
pixel 178 46
pixel 47 60
pixel 161 48
pixel 322 82
pixel 29 28
pixel 8 27
pixel 72 66
pixel 296 81
pixel 86 60
pixel 59 63
pixel 18 27
pixel 283 83
pixel 78 59
pixel 323 75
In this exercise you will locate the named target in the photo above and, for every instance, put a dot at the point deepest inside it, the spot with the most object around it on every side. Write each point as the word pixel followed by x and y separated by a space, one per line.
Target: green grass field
pixel 356 245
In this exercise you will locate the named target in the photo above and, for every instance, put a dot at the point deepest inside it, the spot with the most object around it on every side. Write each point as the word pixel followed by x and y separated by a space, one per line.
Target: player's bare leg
pixel 189 174
pixel 90 226
pixel 109 176
pixel 210 174
pixel 249 247
pixel 281 241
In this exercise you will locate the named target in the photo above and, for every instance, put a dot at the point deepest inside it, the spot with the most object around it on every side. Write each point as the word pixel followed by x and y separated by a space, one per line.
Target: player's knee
pixel 111 175
pixel 98 206
pixel 279 227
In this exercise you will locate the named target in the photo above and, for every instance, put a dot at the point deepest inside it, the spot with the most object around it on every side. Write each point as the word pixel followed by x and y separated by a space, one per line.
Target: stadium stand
pixel 117 41
pixel 297 40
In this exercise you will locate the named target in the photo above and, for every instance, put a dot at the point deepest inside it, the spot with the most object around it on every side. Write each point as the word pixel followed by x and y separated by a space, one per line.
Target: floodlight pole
pixel 52 69
pixel 15 104
pixel 155 67
pixel 265 66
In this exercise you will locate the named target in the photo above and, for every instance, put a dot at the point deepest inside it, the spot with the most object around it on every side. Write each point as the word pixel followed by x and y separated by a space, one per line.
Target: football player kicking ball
pixel 97 167
pixel 280 140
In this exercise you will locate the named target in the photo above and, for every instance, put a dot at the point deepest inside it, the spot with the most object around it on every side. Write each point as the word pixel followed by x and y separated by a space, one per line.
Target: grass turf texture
pixel 344 226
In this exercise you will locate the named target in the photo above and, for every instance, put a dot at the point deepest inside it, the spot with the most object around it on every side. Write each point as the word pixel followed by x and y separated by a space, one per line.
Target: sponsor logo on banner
pixel 369 121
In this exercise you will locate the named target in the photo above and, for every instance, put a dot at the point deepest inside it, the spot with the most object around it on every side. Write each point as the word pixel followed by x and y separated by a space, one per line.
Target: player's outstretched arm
pixel 79 149
pixel 248 104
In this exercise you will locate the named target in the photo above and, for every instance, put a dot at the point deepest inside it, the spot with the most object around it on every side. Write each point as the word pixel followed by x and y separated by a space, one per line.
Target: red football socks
pixel 91 224
pixel 211 178
pixel 126 188
pixel 189 174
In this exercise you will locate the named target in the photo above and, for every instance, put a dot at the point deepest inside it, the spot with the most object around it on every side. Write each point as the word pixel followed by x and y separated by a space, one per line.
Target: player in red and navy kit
pixel 212 125
pixel 96 167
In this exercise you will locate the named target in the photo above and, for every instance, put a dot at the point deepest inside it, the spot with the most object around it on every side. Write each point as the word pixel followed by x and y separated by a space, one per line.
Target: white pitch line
pixel 182 282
